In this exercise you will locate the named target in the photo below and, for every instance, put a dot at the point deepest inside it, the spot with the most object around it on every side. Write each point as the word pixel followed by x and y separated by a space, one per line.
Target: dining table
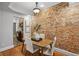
pixel 43 43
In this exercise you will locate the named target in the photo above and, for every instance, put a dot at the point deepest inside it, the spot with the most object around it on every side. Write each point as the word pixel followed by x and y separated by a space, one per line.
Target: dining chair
pixel 52 36
pixel 30 47
pixel 49 51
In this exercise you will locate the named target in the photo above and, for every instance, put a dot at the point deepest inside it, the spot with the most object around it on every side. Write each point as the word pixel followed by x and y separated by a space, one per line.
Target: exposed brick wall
pixel 64 23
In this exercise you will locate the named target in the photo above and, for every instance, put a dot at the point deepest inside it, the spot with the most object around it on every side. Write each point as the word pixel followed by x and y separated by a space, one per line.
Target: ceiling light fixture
pixel 36 10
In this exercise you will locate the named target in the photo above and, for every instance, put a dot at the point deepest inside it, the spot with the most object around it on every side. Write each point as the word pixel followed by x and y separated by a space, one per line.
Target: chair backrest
pixel 54 42
pixel 29 45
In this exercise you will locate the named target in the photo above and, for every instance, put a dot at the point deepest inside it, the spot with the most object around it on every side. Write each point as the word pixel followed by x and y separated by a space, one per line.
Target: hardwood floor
pixel 12 52
pixel 16 51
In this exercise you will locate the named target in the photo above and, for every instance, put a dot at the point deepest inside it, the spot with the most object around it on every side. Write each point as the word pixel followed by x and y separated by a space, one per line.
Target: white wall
pixel 6 28
pixel 0 23
pixel 6 38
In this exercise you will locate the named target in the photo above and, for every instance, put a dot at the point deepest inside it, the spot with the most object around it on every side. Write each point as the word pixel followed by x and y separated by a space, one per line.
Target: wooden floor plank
pixel 16 51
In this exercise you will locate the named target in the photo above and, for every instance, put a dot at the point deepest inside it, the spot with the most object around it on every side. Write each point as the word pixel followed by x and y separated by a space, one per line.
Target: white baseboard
pixel 6 48
pixel 66 53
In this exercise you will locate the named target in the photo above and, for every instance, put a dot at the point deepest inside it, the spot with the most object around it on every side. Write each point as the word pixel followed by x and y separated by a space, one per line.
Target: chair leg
pixel 22 48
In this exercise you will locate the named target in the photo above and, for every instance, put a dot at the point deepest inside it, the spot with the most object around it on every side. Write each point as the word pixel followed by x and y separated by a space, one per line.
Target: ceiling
pixel 27 7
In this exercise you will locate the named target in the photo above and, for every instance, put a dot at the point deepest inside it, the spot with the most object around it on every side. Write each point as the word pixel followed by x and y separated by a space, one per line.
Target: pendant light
pixel 36 10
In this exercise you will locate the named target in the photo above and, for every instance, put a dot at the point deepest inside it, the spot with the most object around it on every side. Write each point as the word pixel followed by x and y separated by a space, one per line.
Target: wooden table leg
pixel 41 51
pixel 51 45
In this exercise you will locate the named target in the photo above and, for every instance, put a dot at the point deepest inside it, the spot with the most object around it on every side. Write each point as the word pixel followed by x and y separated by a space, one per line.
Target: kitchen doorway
pixel 18 30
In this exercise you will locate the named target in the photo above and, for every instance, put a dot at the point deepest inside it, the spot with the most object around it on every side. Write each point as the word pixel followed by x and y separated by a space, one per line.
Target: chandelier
pixel 36 10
